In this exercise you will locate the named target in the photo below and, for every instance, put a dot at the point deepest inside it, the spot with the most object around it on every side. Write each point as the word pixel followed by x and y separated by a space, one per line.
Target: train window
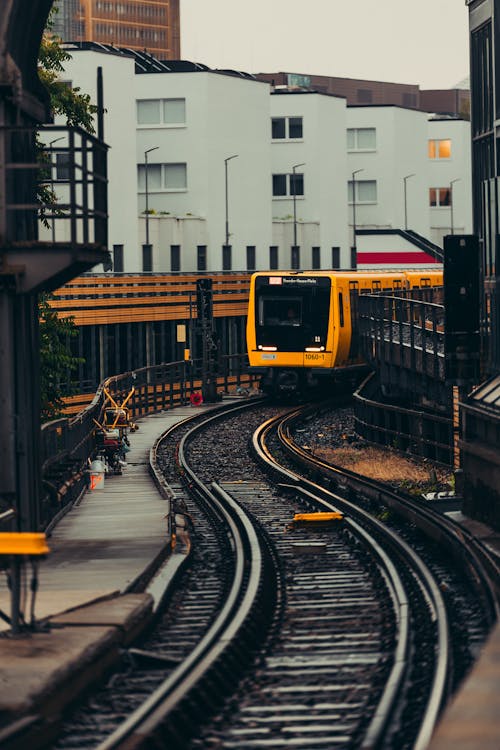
pixel 425 282
pixel 353 285
pixel 280 311
pixel 376 285
pixel 341 310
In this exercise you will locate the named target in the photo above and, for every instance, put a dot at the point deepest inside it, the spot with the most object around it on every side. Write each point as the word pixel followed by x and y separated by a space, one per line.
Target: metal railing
pixel 67 443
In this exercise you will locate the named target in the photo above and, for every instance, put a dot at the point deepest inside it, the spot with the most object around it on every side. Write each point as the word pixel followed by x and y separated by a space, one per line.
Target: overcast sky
pixel 422 42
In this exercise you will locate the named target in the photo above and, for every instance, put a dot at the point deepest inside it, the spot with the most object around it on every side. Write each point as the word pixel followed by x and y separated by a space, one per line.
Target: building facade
pixel 214 170
pixel 360 91
pixel 150 25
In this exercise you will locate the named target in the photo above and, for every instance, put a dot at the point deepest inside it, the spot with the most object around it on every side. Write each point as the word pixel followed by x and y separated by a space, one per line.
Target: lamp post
pixel 451 200
pixel 295 166
pixel 404 181
pixel 356 171
pixel 235 156
pixel 61 138
pixel 148 151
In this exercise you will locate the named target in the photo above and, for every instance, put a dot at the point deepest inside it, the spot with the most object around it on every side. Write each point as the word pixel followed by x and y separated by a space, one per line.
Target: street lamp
pixel 52 196
pixel 148 151
pixel 451 200
pixel 356 171
pixel 235 156
pixel 296 166
pixel 404 180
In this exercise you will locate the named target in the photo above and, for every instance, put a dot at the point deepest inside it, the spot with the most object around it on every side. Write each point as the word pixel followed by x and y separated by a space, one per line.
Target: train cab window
pixel 341 310
pixel 353 286
pixel 280 311
pixel 376 285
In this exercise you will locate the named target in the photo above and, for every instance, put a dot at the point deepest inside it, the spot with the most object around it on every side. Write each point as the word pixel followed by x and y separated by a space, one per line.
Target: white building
pixel 118 77
pixel 308 133
pixel 202 124
pixel 302 169
pixel 450 177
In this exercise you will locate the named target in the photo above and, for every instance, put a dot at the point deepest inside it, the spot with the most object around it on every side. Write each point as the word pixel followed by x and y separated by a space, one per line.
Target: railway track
pixel 323 651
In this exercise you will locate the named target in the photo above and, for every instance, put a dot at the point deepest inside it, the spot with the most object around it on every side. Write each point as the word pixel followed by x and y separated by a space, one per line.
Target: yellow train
pixel 300 323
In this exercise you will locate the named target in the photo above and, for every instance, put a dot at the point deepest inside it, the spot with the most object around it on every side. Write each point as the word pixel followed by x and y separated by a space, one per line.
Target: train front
pixel 289 335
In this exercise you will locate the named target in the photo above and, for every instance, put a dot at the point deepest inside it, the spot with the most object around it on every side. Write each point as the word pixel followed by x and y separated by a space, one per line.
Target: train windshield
pixel 292 312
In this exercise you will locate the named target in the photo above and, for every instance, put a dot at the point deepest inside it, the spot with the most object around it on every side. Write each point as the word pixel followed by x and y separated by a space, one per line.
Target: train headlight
pixel 268 348
pixel 315 349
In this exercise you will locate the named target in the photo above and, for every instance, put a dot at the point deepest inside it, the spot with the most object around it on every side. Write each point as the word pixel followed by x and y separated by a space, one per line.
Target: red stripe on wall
pixel 396 257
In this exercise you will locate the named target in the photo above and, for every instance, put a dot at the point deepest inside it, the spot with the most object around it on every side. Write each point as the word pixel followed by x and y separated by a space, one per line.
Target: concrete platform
pixel 112 542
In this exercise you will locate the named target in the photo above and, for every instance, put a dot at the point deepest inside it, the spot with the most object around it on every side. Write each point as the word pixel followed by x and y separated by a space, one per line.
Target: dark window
pixel 295 127
pixel 354 261
pixel 147 258
pixel 250 257
pixel 341 310
pixel 279 184
pixel 278 127
pixel 365 96
pixel 62 166
pixel 295 259
pixel 226 257
pixel 316 257
pixel 335 257
pixel 296 184
pixel 201 263
pixel 175 257
pixel 409 100
pixel 273 257
pixel 118 258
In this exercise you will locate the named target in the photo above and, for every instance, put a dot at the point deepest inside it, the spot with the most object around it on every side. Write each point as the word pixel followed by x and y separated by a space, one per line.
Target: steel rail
pixel 392 693
pixel 160 710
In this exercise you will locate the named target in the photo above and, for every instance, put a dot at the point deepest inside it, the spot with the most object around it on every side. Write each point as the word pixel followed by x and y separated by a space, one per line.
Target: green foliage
pixel 65 100
pixel 56 360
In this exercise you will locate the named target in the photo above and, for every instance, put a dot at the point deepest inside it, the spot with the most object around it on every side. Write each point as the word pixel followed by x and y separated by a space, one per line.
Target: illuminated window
pixel 440 149
pixel 361 139
pixel 439 197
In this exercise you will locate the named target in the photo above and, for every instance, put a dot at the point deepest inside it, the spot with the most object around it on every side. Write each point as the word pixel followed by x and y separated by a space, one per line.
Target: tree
pixel 56 360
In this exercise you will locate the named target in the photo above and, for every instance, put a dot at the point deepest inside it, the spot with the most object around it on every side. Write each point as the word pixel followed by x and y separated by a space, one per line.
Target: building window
pixel 361 139
pixel 118 258
pixel 286 128
pixel 354 259
pixel 273 257
pixel 295 258
pixel 366 191
pixel 279 184
pixel 335 257
pixel 409 100
pixel 288 184
pixel 201 258
pixel 163 177
pixel 440 149
pixel 250 257
pixel 175 257
pixel 365 96
pixel 316 258
pixel 147 258
pixel 439 197
pixel 63 162
pixel 226 257
pixel 161 112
